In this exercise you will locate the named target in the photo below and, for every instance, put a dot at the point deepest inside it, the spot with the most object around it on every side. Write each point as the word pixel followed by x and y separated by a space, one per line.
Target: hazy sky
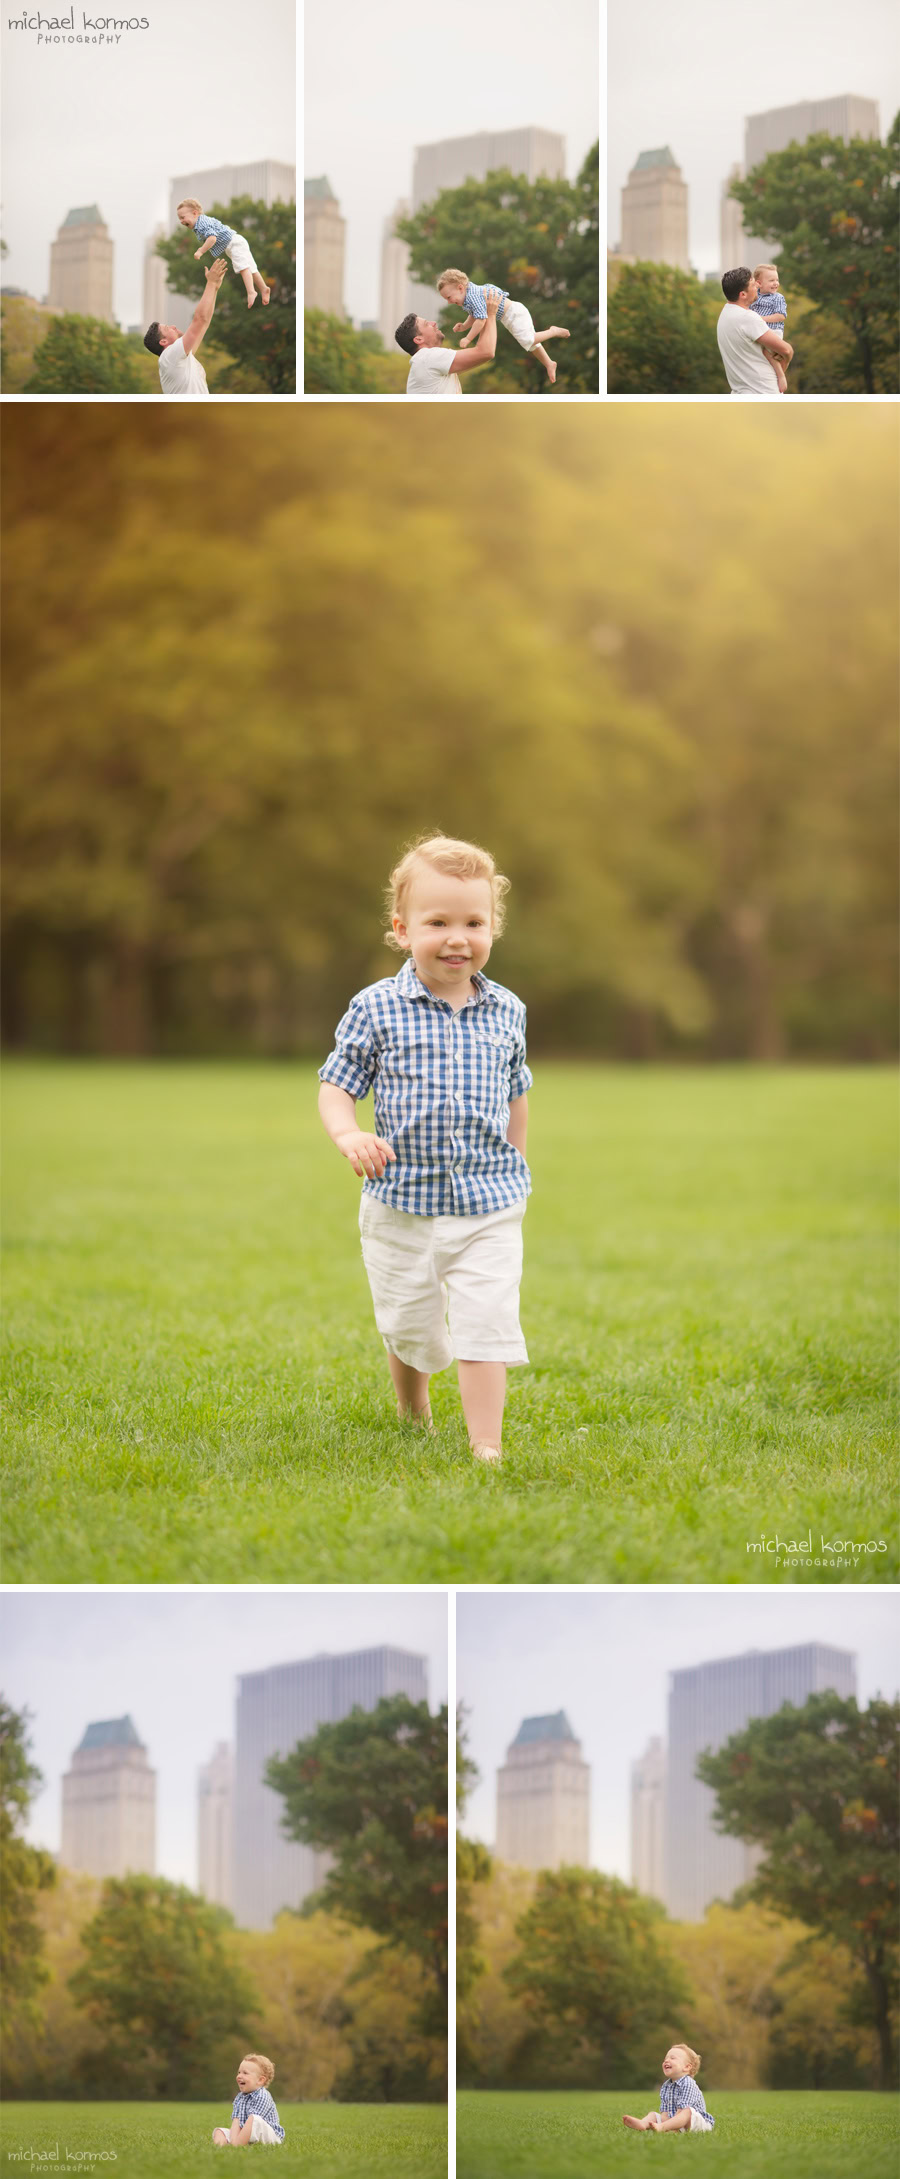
pixel 605 1660
pixel 170 1661
pixel 688 76
pixel 379 81
pixel 110 125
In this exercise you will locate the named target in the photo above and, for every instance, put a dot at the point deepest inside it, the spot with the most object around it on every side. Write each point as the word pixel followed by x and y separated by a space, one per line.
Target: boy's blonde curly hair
pixel 692 2056
pixel 263 2065
pixel 452 273
pixel 457 859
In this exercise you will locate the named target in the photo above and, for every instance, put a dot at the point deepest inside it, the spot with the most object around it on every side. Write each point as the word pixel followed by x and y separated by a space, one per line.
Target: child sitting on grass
pixel 681 2105
pixel 253 2113
pixel 457 288
pixel 445 1178
pixel 224 242
pixel 770 305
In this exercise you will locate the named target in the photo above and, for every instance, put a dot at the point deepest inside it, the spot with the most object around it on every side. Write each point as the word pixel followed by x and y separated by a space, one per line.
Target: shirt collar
pixel 409 982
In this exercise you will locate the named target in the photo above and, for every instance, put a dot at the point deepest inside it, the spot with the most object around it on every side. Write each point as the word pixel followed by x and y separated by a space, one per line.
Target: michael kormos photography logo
pixel 830 1552
pixel 90 29
pixel 56 2158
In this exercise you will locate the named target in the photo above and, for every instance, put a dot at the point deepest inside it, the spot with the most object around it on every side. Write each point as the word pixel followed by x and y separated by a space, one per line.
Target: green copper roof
pixel 556 1727
pixel 111 1732
pixel 656 158
pixel 319 186
pixel 85 215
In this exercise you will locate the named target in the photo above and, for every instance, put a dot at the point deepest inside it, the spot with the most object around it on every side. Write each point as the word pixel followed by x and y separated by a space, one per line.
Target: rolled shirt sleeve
pixel 352 1065
pixel 520 1075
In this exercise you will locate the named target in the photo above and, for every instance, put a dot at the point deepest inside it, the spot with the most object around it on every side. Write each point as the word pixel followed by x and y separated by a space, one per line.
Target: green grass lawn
pixel 761 2135
pixel 323 2140
pixel 195 1390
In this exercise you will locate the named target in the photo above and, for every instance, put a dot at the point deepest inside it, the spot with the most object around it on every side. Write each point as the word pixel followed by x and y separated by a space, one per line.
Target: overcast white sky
pixel 379 81
pixel 110 125
pixel 605 1660
pixel 170 1662
pixel 688 76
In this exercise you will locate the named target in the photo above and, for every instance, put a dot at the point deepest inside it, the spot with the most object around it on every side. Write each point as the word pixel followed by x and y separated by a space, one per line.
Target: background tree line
pixel 833 212
pixel 236 661
pixel 137 1987
pixel 570 1978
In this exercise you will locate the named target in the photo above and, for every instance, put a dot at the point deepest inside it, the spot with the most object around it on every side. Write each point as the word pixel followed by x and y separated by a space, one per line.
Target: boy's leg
pixel 411 1387
pixel 259 282
pixel 482 1387
pixel 247 278
pixel 554 332
pixel 221 2137
pixel 547 361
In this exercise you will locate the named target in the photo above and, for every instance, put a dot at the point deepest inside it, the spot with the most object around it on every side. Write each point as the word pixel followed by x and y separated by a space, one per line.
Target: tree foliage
pixel 161 1979
pixel 371 1791
pixel 262 341
pixel 595 1978
pixel 816 1788
pixel 538 240
pixel 336 359
pixel 85 355
pixel 197 840
pixel 661 332
pixel 832 211
pixel 25 1871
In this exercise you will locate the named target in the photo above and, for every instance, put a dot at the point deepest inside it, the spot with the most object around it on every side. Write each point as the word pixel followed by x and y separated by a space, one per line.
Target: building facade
pixel 544 1797
pixel 457 159
pixel 392 305
pixel 707 1703
pixel 655 211
pixel 275 1709
pixel 648 1815
pixel 215 1826
pixel 774 130
pixel 324 232
pixel 81 265
pixel 109 1803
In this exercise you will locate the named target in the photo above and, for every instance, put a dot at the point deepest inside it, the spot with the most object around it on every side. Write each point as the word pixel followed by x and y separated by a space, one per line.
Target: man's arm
pixel 206 306
pixel 517 1130
pixel 776 346
pixel 486 346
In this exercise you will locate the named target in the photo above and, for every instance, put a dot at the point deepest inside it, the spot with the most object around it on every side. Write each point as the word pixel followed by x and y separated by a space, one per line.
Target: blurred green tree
pixel 661 332
pixel 85 355
pixel 833 212
pixel 262 342
pixel 162 1981
pixel 25 1871
pixel 816 1788
pixel 336 359
pixel 595 1978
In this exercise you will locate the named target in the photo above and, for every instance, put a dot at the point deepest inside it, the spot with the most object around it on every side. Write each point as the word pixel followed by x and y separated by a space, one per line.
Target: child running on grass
pixel 457 288
pixel 771 306
pixel 681 2105
pixel 224 242
pixel 253 2113
pixel 445 1180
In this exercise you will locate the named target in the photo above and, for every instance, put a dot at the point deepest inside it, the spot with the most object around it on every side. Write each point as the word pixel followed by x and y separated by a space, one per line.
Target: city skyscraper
pixel 109 1803
pixel 707 1703
pixel 81 265
pixel 392 304
pixel 215 1826
pixel 456 159
pixel 648 1812
pixel 275 1709
pixel 544 1797
pixel 323 248
pixel 774 130
pixel 655 211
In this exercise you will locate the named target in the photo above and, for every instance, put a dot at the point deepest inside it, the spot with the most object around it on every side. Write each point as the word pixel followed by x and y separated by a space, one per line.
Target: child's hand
pixel 461 327
pixel 368 1154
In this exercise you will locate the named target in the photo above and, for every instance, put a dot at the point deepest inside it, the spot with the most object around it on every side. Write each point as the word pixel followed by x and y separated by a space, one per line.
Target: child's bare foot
pixel 557 332
pixel 251 298
pixel 265 293
pixel 490 1454
pixel 551 371
pixel 639 2124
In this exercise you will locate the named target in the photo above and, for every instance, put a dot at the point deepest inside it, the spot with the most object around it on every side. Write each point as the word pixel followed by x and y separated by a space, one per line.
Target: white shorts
pixel 241 255
pixel 259 2131
pixel 520 323
pixel 699 2124
pixel 421 1270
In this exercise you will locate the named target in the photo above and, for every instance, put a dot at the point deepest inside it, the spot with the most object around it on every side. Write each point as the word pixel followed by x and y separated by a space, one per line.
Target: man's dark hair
pixel 152 340
pixel 405 335
pixel 734 283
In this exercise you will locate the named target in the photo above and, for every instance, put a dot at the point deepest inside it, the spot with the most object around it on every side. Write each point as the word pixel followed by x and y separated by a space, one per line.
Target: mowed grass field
pixel 760 2135
pixel 195 1390
pixel 141 2140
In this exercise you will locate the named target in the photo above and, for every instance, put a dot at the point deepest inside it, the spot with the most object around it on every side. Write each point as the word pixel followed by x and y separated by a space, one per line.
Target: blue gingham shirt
pixel 443 1079
pixel 675 2096
pixel 257 2103
pixel 475 300
pixel 771 306
pixel 204 226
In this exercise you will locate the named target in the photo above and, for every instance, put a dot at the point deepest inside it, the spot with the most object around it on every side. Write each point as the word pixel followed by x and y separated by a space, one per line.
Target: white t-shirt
pixel 430 377
pixel 750 377
pixel 181 375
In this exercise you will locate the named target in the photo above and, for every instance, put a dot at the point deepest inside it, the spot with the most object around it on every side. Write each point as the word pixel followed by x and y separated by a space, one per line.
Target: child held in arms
pixel 224 242
pixel 457 288
pixel 681 2105
pixel 253 2113
pixel 445 1181
pixel 770 304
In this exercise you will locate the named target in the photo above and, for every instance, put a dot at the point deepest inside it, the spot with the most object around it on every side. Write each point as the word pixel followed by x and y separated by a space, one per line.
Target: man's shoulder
pixel 431 359
pixel 172 359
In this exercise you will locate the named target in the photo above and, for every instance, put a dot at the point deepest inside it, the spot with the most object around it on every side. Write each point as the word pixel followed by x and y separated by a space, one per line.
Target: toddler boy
pixel 770 305
pixel 253 2113
pixel 224 242
pixel 457 288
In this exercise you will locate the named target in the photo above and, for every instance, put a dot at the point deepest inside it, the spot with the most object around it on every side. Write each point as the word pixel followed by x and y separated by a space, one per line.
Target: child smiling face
pixel 674 2063
pixel 448 928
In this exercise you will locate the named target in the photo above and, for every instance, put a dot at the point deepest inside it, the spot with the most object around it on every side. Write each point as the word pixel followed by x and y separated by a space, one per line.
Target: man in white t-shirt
pixel 180 374
pixel 434 372
pixel 742 336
